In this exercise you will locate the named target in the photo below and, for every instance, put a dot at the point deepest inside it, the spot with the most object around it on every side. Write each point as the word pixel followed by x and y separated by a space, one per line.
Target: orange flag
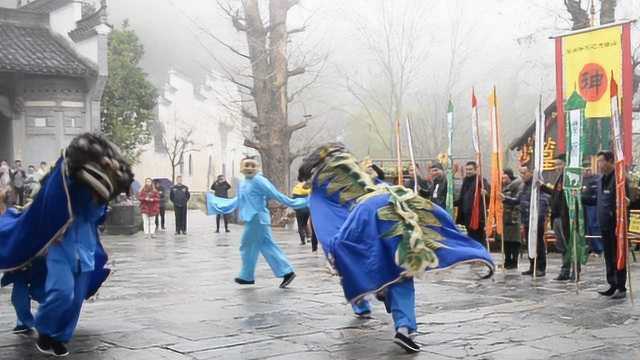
pixel 494 216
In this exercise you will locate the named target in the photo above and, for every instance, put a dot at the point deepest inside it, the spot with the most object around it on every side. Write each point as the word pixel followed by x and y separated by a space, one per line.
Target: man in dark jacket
pixel 220 189
pixel 423 183
pixel 523 200
pixel 606 208
pixel 163 204
pixel 589 198
pixel 511 219
pixel 465 203
pixel 560 220
pixel 437 192
pixel 19 178
pixel 179 196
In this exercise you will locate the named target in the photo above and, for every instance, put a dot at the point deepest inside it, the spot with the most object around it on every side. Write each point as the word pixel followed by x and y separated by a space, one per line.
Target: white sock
pixel 404 331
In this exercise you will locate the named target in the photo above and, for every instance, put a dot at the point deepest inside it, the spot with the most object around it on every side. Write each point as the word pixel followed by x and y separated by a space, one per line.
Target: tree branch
pixel 292 3
pixel 295 127
pixel 297 71
pixel 297 30
pixel 249 115
pixel 252 144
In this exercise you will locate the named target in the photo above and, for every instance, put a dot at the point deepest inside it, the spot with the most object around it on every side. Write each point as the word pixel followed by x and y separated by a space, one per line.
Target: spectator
pixel 149 206
pixel 465 203
pixel 423 184
pixel 19 181
pixel 607 218
pixel 163 205
pixel 179 196
pixel 302 190
pixel 560 220
pixel 523 201
pixel 511 219
pixel 589 196
pixel 5 175
pixel 438 188
pixel 220 189
pixel 43 169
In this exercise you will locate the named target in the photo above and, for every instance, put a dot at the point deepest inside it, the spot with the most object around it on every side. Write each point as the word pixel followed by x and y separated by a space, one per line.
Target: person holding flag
pixel 471 209
pixel 523 201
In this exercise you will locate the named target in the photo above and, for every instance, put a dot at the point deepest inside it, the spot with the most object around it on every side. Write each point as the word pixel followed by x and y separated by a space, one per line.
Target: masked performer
pixel 253 194
pixel 379 237
pixel 62 224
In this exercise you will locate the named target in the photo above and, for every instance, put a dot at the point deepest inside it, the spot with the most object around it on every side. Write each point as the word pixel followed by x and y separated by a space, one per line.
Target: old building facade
pixel 207 110
pixel 53 69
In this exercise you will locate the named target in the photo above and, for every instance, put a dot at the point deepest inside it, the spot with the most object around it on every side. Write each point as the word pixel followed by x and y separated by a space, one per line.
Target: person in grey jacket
pixel 180 196
pixel 523 200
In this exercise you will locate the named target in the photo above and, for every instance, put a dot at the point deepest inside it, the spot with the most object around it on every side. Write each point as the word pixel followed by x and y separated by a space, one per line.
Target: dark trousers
pixel 20 196
pixel 226 221
pixel 302 217
pixel 181 219
pixel 541 249
pixel 511 253
pixel 160 217
pixel 314 239
pixel 478 235
pixel 616 278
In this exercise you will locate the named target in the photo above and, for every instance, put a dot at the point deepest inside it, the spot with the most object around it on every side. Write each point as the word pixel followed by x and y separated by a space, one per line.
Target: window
pixel 190 165
pixel 182 164
pixel 40 122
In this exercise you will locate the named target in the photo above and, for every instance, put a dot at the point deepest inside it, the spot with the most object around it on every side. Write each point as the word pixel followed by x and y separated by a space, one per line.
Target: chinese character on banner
pixel 526 151
pixel 549 154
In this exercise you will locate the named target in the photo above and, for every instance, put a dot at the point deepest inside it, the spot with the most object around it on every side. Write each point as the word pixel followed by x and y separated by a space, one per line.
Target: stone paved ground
pixel 173 298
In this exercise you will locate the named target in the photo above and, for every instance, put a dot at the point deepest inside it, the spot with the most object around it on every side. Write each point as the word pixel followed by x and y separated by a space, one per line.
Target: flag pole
pixel 399 156
pixel 411 155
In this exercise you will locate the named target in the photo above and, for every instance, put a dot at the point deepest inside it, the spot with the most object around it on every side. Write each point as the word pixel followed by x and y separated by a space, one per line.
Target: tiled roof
pixel 36 50
pixel 45 6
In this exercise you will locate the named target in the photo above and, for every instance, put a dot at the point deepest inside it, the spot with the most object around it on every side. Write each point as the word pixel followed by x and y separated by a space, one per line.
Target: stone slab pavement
pixel 173 298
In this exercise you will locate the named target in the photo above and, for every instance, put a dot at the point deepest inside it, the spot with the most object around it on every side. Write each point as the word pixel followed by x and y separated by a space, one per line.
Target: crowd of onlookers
pixel 18 184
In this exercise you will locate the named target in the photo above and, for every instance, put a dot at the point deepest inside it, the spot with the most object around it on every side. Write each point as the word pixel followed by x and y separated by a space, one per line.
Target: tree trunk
pixel 607 11
pixel 268 53
pixel 579 16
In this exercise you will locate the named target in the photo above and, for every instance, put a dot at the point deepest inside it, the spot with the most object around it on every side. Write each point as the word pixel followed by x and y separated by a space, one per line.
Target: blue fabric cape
pixel 25 236
pixel 351 236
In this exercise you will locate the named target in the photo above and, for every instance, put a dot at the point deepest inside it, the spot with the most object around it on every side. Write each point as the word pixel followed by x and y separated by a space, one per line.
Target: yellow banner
pixel 588 61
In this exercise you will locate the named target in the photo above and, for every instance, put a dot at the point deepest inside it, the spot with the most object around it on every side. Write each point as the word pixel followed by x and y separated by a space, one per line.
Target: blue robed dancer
pixel 56 237
pixel 380 237
pixel 254 192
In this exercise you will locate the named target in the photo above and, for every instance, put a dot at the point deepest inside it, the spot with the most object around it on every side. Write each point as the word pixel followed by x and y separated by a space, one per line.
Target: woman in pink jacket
pixel 149 199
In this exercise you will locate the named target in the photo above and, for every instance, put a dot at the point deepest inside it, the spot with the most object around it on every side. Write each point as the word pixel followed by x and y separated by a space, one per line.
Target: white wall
pixel 203 114
pixel 63 20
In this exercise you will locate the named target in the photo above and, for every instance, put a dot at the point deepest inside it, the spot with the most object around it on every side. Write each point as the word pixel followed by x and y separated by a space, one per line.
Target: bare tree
pixel 266 80
pixel 579 16
pixel 176 147
pixel 395 46
pixel 608 11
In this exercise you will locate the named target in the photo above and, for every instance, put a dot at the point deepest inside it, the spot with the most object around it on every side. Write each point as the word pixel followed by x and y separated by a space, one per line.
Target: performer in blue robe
pixel 61 224
pixel 380 237
pixel 253 194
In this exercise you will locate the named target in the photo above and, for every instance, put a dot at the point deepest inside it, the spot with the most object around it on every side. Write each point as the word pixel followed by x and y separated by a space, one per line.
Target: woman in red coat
pixel 149 199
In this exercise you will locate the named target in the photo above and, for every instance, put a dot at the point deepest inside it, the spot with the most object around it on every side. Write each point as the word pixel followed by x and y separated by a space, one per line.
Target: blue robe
pixel 26 235
pixel 351 235
pixel 256 239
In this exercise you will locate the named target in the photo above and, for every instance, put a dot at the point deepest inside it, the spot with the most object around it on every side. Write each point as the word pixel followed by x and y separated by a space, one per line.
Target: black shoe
pixel 184 233
pixel 527 273
pixel 244 282
pixel 49 346
pixel 619 294
pixel 177 233
pixel 217 231
pixel 303 243
pixel 21 329
pixel 406 343
pixel 608 292
pixel 227 230
pixel 540 273
pixel 287 280
pixel 562 277
pixel 364 315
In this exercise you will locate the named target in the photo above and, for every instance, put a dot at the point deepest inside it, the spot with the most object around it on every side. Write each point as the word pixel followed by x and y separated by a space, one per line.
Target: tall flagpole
pixel 475 216
pixel 534 204
pixel 622 242
pixel 450 187
pixel 398 153
pixel 412 156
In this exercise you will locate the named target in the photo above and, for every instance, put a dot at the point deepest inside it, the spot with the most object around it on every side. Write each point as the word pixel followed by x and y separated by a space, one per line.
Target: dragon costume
pixel 379 237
